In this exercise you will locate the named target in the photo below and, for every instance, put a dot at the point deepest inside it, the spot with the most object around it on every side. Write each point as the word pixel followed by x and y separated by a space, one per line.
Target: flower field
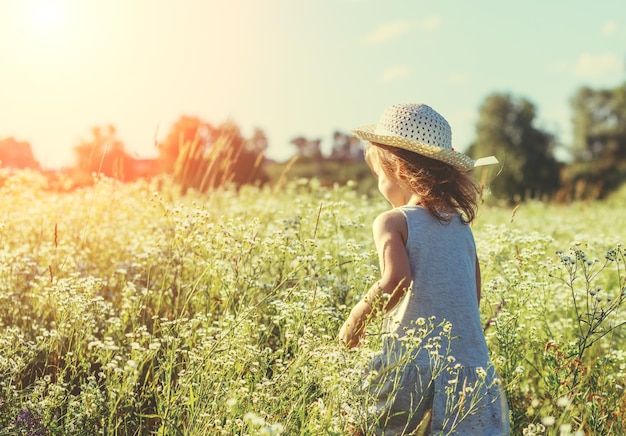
pixel 128 309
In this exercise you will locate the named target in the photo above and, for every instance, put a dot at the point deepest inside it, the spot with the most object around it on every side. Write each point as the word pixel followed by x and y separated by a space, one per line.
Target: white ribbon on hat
pixel 489 160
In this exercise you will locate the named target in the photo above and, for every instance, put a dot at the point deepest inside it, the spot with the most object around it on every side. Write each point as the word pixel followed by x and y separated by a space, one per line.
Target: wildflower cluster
pixel 554 322
pixel 129 309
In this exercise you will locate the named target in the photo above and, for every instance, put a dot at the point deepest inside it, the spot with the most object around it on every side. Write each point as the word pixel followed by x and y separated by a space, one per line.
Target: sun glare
pixel 47 36
pixel 46 15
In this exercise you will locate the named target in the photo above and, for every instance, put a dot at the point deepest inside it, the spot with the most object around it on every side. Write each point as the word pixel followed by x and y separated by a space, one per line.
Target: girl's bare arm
pixel 390 232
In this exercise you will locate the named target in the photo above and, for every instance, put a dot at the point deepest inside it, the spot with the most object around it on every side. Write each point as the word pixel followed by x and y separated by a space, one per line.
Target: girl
pixel 434 375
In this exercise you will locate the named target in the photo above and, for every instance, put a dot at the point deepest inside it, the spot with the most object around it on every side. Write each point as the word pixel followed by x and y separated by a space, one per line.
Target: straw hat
pixel 420 129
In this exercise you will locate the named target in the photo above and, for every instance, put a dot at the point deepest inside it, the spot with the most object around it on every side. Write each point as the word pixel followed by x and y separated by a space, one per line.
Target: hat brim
pixel 458 160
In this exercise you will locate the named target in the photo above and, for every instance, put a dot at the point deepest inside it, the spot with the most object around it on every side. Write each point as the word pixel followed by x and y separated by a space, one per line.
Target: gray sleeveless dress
pixel 434 373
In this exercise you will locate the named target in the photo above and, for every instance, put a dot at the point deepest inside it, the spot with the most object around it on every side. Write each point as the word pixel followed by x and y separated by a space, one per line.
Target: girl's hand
pixel 352 331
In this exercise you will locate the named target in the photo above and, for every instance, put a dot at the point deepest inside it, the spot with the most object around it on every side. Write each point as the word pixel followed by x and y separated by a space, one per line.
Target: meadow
pixel 129 309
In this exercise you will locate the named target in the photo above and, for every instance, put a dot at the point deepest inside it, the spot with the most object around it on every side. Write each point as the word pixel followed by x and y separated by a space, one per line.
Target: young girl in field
pixel 434 374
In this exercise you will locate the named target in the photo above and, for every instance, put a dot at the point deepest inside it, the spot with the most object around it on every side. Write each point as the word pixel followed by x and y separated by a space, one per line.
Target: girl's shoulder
pixel 391 216
pixel 392 221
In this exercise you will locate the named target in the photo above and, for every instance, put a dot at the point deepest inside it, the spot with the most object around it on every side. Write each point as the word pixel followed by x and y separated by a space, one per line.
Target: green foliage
pixel 554 328
pixel 127 309
pixel 506 129
pixel 327 172
pixel 599 146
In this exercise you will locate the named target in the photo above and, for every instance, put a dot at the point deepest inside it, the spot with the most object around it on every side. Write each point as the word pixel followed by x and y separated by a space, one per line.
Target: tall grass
pixel 130 310
pixel 228 160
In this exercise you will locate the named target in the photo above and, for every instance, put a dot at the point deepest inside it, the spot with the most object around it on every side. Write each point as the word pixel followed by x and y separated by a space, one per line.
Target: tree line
pixel 203 156
pixel 507 127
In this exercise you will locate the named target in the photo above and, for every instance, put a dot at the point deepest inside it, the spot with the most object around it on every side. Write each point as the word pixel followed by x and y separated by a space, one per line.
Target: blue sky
pixel 290 67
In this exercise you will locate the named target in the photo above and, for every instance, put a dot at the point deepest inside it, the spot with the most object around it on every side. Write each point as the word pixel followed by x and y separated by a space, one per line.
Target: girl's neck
pixel 413 200
pixel 416 201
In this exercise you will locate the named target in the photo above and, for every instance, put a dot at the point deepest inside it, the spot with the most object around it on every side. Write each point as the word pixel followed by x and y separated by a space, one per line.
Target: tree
pixel 204 157
pixel 308 148
pixel 599 138
pixel 103 153
pixel 506 129
pixel 17 154
pixel 251 158
pixel 186 130
pixel 346 147
pixel 258 142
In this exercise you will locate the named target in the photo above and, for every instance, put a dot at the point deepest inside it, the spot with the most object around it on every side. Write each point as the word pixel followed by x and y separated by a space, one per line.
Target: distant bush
pixel 327 172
